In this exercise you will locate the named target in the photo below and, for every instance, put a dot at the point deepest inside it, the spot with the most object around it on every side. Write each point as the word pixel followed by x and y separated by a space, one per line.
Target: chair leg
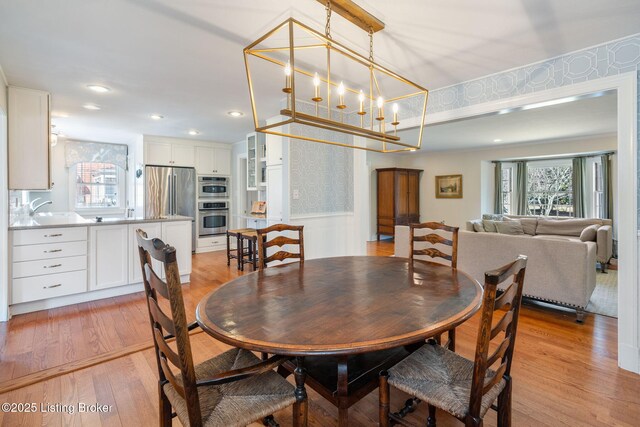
pixel 431 420
pixel 228 250
pixel 452 340
pixel 504 405
pixel 301 406
pixel 269 421
pixel 383 403
pixel 165 408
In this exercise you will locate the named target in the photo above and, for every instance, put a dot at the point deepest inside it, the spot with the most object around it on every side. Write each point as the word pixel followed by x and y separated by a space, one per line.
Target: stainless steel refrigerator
pixel 170 191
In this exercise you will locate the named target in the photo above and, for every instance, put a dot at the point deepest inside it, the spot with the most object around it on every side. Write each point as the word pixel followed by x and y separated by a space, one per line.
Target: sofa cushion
pixel 478 227
pixel 493 217
pixel 563 227
pixel 489 226
pixel 529 225
pixel 589 233
pixel 512 227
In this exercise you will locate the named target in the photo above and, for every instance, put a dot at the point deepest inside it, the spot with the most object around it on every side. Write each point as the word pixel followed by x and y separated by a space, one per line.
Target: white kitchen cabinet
pixel 213 161
pixel 256 161
pixel 153 230
pixel 164 153
pixel 222 161
pixel 157 153
pixel 274 193
pixel 178 235
pixel 29 132
pixel 274 150
pixel 108 256
pixel 183 155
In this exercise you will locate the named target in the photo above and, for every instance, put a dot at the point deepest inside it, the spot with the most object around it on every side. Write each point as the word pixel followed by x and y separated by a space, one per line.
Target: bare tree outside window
pixel 550 190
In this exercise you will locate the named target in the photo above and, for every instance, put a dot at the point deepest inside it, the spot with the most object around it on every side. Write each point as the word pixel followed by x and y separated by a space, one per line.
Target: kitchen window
pixel 97 186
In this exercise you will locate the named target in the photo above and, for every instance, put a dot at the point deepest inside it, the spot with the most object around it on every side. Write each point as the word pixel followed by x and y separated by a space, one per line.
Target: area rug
pixel 604 299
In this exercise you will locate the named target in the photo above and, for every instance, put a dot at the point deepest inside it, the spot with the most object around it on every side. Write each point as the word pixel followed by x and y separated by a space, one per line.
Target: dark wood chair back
pixel 508 323
pixel 166 326
pixel 434 239
pixel 279 241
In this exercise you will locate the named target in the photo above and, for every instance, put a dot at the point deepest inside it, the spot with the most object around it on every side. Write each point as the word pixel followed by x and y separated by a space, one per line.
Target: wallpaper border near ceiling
pixel 608 59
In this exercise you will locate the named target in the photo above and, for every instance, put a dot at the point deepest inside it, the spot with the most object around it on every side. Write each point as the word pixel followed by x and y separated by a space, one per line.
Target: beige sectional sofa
pixel 561 268
pixel 561 229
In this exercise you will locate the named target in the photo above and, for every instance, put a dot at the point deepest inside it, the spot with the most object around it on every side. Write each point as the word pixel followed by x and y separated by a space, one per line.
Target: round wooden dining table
pixel 345 318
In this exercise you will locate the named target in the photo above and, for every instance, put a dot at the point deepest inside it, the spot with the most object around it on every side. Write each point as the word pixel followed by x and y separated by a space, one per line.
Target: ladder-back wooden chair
pixel 232 389
pixel 465 388
pixel 279 241
pixel 431 240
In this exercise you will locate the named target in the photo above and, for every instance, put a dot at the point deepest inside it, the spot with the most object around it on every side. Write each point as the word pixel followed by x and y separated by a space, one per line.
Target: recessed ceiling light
pixel 497 140
pixel 156 117
pixel 99 88
pixel 91 106
pixel 194 132
pixel 60 114
pixel 235 113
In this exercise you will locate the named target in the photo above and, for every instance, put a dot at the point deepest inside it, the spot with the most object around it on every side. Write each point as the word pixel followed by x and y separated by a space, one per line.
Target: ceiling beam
pixel 355 14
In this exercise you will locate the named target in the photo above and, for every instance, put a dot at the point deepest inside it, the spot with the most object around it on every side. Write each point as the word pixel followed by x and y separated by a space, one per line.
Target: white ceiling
pixel 580 118
pixel 183 59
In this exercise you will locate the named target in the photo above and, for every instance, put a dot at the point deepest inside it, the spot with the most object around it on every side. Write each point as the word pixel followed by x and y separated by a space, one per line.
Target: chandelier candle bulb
pixel 287 78
pixel 380 109
pixel 361 99
pixel 316 87
pixel 395 115
pixel 341 90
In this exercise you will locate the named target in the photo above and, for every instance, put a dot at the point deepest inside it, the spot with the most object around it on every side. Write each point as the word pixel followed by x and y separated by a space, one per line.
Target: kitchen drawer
pixel 386 221
pixel 49 235
pixel 49 286
pixel 207 242
pixel 48 251
pixel 384 229
pixel 49 266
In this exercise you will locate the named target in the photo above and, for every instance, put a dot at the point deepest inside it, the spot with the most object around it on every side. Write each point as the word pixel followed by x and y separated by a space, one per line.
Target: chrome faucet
pixel 34 209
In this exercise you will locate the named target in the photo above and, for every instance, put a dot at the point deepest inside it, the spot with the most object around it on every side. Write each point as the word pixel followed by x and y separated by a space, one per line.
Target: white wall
pixel 477 174
pixel 4 197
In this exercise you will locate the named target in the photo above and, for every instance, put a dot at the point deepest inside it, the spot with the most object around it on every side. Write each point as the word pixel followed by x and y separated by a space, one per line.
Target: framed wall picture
pixel 449 187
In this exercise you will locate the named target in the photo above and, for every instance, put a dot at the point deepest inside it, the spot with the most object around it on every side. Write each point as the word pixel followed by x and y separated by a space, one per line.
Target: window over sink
pixel 97 186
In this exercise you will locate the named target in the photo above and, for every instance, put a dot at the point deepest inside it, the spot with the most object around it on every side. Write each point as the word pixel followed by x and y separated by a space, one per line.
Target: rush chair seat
pixel 464 388
pixel 234 388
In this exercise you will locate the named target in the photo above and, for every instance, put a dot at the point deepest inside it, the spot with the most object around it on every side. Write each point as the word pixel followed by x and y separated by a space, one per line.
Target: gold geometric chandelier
pixel 329 93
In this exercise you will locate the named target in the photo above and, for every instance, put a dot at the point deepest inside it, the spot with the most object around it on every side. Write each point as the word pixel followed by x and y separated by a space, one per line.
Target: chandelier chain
pixel 371 44
pixel 327 28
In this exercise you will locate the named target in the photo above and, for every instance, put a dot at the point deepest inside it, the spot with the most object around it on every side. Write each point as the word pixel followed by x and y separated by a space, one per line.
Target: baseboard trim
pixel 67 368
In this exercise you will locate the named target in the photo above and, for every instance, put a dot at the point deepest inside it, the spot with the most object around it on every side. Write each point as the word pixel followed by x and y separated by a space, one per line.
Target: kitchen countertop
pixel 72 219
pixel 254 216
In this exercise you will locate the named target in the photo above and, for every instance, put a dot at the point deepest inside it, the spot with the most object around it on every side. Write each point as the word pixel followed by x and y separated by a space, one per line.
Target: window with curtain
pixel 507 190
pixel 598 190
pixel 549 188
pixel 98 186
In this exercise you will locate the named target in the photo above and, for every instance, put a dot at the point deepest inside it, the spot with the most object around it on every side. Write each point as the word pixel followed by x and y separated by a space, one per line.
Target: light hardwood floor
pixel 564 373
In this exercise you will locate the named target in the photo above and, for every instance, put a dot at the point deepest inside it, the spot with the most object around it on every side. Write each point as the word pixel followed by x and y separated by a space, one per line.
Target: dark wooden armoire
pixel 398 198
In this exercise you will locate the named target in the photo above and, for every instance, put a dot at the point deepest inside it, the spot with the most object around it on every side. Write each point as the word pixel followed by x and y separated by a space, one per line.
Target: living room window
pixel 549 188
pixel 598 189
pixel 507 190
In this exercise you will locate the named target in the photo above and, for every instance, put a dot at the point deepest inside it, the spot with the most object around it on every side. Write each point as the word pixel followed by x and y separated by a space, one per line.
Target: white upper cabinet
pixel 29 130
pixel 213 161
pixel 274 150
pixel 183 155
pixel 157 153
pixel 222 161
pixel 164 153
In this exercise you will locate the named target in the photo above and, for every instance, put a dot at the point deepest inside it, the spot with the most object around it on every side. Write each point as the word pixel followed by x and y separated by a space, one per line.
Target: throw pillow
pixel 493 217
pixel 489 226
pixel 512 227
pixel 529 225
pixel 589 233
pixel 478 227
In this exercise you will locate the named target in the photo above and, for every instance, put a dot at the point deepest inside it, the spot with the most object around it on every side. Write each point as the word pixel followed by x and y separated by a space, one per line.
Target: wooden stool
pixel 251 255
pixel 236 235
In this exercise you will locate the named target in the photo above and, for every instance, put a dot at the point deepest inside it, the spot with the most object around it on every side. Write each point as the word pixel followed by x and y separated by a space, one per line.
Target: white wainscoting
pixel 329 235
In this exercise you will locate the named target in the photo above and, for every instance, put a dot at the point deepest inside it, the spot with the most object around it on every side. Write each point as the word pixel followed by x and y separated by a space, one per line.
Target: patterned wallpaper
pixel 605 60
pixel 324 174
